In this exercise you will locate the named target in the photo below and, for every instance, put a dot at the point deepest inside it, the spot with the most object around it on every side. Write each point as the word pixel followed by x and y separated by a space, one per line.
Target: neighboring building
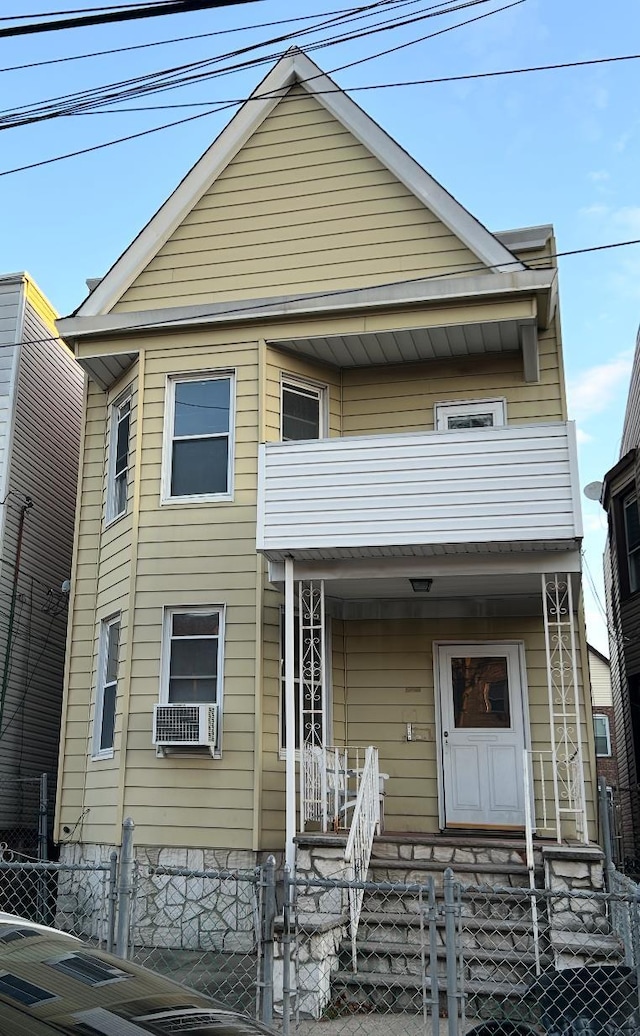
pixel 41 397
pixel 604 730
pixel 313 350
pixel 622 584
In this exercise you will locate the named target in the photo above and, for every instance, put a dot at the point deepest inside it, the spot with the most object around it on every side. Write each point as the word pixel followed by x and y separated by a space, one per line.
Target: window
pixel 105 717
pixel 198 438
pixel 632 540
pixel 474 413
pixel 119 459
pixel 88 969
pixel 302 408
pixel 24 992
pixel 193 656
pixel 602 735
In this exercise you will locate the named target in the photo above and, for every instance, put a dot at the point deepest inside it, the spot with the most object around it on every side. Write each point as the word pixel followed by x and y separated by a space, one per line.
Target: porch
pixel 460 692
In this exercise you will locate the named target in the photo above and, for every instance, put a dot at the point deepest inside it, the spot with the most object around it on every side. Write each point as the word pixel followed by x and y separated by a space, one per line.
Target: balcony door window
pixel 473 413
pixel 302 408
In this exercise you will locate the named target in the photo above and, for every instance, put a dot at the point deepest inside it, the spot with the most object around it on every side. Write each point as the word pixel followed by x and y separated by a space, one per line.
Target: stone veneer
pixel 192 911
pixel 579 929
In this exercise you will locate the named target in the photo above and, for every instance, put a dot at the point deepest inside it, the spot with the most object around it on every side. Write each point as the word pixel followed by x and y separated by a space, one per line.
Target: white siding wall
pixel 479 486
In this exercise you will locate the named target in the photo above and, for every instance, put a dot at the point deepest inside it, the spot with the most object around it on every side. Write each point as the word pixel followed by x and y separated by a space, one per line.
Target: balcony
pixel 420 494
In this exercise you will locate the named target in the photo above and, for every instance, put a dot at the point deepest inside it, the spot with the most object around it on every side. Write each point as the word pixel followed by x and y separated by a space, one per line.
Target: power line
pixel 167 7
pixel 314 296
pixel 374 86
pixel 176 76
pixel 222 107
pixel 76 10
pixel 175 39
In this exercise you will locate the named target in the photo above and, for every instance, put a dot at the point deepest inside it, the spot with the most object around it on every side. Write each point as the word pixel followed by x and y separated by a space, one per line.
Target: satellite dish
pixel 593 491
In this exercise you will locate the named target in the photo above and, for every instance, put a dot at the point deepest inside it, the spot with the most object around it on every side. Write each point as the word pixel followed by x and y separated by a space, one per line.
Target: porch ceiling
pixel 411 345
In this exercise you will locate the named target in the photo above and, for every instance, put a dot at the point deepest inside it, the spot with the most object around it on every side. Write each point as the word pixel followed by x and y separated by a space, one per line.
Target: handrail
pixel 364 825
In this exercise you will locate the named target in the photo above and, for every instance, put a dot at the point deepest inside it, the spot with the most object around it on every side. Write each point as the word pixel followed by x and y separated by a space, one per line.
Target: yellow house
pixel 327 483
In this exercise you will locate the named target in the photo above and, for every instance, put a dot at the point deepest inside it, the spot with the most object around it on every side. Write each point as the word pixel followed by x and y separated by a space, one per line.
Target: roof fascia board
pixel 458 220
pixel 169 216
pixel 385 296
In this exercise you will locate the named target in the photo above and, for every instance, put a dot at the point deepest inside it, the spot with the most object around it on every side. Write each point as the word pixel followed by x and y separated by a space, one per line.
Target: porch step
pixel 375 957
pixel 403 993
pixel 428 867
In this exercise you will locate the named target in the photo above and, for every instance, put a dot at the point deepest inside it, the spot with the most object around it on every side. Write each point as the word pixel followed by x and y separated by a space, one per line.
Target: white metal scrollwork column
pixel 311 622
pixel 564 703
pixel 312 701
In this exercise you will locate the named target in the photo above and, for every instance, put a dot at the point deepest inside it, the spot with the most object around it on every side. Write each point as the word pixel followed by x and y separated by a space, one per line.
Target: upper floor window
pixel 302 408
pixel 602 735
pixel 198 458
pixel 632 539
pixel 119 433
pixel 105 714
pixel 473 413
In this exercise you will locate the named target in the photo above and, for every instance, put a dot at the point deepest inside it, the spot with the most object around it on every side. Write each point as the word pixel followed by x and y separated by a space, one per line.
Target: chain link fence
pixel 437 957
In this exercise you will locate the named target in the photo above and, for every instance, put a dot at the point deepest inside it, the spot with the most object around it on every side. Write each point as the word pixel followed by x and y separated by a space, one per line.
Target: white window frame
pixel 196 609
pixel 115 417
pixel 319 389
pixel 630 552
pixel 103 652
pixel 607 725
pixel 497 407
pixel 167 451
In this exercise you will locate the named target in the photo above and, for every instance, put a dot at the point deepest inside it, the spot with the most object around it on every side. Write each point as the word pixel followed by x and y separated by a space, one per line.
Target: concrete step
pixel 397 958
pixel 353 992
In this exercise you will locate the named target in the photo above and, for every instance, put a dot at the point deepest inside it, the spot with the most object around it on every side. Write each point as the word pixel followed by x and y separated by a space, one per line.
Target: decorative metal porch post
pixel 564 703
pixel 290 714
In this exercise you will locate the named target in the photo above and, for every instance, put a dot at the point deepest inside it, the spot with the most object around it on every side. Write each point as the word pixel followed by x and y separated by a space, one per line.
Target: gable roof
pixel 294 67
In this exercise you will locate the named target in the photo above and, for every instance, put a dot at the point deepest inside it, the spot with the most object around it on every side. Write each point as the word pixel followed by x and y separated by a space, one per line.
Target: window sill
pixel 182 501
pixel 110 522
pixel 107 753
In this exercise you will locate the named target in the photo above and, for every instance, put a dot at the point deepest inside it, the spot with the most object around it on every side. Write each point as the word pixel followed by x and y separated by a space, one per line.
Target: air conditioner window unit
pixel 185 725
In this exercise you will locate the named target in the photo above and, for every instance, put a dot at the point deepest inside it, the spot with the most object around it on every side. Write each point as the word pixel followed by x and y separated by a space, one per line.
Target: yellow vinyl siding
pixel 189 555
pixel 401 398
pixel 385 671
pixel 281 364
pixel 353 224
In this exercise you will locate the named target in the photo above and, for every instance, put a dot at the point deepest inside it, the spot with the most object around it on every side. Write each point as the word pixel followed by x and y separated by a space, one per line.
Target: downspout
pixel 27 505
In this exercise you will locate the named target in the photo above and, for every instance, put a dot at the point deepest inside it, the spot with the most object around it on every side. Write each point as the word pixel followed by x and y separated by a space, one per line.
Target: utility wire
pixel 177 76
pixel 76 10
pixel 170 7
pixel 167 321
pixel 374 86
pixel 176 39
pixel 222 107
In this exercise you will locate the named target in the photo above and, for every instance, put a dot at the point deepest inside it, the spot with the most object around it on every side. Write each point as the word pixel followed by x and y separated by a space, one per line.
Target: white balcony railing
pixel 419 490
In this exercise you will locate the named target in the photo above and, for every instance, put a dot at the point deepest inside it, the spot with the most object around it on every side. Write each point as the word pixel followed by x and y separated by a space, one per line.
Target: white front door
pixel 482 719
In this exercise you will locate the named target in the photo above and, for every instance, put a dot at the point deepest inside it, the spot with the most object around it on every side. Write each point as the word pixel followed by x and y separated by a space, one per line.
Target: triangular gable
pixel 294 68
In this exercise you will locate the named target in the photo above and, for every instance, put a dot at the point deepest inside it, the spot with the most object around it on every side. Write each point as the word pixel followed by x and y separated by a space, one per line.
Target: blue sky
pixel 557 146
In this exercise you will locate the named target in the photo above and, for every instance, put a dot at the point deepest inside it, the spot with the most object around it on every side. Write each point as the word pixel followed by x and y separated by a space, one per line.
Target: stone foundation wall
pixel 179 902
pixel 579 929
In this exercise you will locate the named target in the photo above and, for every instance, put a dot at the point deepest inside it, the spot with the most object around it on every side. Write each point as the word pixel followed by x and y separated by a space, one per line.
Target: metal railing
pixel 365 823
pixel 330 777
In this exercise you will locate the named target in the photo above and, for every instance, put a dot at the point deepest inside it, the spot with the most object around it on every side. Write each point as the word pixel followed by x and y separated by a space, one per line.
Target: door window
pixel 480 692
